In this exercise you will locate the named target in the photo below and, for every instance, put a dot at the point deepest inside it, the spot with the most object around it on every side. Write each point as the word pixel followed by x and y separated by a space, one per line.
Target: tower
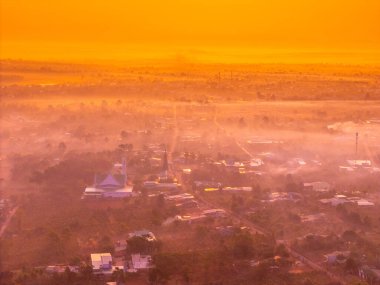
pixel 124 170
pixel 165 164
pixel 356 145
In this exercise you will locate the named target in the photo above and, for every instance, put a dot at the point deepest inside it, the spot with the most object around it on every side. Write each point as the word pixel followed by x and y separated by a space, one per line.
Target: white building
pixel 101 261
pixel 140 262
pixel 317 186
pixel 359 163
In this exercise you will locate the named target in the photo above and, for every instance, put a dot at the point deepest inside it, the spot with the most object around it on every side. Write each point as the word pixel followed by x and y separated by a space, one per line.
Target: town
pixel 155 192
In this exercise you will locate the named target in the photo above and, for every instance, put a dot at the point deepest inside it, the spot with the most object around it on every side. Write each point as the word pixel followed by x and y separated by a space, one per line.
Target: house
pixel 226 230
pixel 191 218
pixel 111 185
pixel 203 185
pixel 215 213
pixel 101 261
pixel 179 197
pixel 188 204
pixel 297 161
pixel 359 163
pixel 312 218
pixel 336 200
pixel 372 275
pixel 61 268
pixel 256 162
pixel 233 166
pixel 173 186
pixel 238 188
pixel 337 257
pixel 283 196
pixel 317 186
pixel 150 184
pixel 139 262
pixel 145 234
pixel 230 163
pixel 364 202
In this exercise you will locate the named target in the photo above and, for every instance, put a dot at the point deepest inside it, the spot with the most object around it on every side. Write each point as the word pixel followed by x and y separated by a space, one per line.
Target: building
pixel 164 176
pixel 111 185
pixel 256 162
pixel 101 261
pixel 145 234
pixel 60 268
pixel 139 262
pixel 317 186
pixel 166 180
pixel 215 213
pixel 337 257
pixel 359 163
pixel 370 274
pixel 237 188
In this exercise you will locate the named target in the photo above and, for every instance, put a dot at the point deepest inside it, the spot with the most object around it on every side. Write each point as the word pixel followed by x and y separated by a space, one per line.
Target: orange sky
pixel 122 29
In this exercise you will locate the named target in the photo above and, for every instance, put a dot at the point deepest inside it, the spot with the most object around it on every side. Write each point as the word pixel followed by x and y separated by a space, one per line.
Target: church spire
pixel 165 164
pixel 124 170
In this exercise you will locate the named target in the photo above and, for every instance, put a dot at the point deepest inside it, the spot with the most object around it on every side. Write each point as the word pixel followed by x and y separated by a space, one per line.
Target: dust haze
pixel 189 173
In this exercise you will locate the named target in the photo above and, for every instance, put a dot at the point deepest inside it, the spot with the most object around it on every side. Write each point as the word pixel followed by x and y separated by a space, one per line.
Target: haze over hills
pixel 181 80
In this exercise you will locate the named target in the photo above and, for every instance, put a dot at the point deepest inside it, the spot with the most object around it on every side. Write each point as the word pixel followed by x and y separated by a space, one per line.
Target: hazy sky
pixel 120 28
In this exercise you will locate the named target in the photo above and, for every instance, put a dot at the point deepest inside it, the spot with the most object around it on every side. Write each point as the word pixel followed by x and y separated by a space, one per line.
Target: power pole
pixel 356 145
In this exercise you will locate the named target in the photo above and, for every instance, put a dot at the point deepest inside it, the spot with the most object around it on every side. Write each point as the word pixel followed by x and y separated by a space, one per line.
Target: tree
pixel 86 272
pixel 242 246
pixel 62 147
pixel 260 272
pixel 124 135
pixel 351 265
pixel 350 235
pixel 281 250
pixel 118 276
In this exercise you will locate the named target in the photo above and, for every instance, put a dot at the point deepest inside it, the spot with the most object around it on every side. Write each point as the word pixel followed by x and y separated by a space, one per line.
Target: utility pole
pixel 356 145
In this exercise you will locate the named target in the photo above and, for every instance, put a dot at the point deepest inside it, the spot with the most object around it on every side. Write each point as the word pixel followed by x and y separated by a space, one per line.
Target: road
pixel 220 127
pixel 174 140
pixel 247 223
pixel 255 228
pixel 8 220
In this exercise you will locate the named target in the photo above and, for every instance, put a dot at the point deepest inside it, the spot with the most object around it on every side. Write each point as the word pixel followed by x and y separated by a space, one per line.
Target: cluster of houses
pixel 246 167
pixel 359 165
pixel 105 263
pixel 340 199
pixel 210 186
pixel 283 196
pixel 116 185
pixel 197 216
pixel 187 202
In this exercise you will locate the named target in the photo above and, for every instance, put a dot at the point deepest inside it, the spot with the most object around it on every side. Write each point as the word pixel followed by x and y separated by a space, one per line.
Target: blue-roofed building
pixel 110 185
